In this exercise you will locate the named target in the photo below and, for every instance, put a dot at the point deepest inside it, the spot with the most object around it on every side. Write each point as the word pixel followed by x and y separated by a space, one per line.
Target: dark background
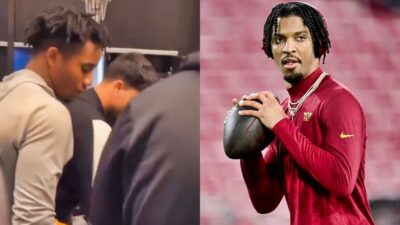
pixel 145 24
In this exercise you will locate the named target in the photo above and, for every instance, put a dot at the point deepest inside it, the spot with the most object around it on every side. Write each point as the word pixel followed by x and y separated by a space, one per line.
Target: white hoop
pixel 97 8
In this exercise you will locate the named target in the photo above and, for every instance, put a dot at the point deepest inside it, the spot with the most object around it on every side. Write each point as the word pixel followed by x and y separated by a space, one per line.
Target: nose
pixel 88 80
pixel 289 46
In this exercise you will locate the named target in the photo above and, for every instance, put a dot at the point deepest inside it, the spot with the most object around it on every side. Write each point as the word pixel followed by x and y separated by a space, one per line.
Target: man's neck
pixel 101 90
pixel 313 68
pixel 103 93
pixel 38 65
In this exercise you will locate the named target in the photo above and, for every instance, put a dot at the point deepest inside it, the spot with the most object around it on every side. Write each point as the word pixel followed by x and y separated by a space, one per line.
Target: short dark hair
pixel 312 19
pixel 65 29
pixel 134 69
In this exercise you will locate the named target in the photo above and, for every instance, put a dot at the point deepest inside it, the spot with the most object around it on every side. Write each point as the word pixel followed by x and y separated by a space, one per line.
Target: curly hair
pixel 65 29
pixel 312 19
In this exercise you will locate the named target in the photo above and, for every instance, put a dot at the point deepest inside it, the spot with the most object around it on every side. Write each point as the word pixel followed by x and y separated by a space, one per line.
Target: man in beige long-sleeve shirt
pixel 35 130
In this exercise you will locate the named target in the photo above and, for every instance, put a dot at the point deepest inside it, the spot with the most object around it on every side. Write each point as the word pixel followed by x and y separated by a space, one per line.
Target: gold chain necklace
pixel 293 107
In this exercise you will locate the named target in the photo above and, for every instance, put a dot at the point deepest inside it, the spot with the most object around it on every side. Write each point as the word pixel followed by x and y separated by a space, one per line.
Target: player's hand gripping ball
pixel 244 135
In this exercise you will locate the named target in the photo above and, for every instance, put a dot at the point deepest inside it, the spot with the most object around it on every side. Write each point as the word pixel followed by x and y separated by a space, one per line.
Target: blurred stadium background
pixel 365 56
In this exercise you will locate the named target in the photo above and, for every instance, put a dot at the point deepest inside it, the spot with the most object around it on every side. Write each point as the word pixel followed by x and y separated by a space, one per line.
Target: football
pixel 244 135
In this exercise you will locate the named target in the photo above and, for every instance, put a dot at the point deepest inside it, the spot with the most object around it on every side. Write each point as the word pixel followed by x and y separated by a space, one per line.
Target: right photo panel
pixel 299 112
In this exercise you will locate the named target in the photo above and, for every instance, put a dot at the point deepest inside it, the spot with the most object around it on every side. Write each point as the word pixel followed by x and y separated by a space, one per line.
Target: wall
pixel 148 24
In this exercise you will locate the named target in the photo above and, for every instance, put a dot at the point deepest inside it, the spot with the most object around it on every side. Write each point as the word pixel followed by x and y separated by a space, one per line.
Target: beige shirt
pixel 35 144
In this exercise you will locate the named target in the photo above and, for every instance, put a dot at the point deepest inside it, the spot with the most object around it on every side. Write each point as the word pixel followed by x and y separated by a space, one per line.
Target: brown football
pixel 244 135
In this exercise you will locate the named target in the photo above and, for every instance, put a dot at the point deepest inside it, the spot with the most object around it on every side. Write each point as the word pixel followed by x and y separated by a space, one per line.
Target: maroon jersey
pixel 317 160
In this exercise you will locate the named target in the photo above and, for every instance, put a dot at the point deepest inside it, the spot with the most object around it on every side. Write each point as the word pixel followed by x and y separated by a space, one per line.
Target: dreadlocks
pixel 311 19
pixel 65 29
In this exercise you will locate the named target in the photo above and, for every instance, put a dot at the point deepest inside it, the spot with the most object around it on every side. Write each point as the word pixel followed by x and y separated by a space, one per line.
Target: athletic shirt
pixel 317 159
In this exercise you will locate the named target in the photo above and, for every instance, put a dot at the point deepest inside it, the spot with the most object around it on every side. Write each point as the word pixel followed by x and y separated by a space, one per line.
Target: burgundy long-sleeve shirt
pixel 316 161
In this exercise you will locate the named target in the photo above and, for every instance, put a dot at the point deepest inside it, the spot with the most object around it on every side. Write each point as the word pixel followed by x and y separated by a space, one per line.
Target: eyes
pixel 301 38
pixel 278 39
pixel 87 68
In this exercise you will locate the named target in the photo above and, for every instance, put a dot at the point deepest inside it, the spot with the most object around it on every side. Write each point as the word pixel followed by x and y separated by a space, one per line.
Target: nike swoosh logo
pixel 343 135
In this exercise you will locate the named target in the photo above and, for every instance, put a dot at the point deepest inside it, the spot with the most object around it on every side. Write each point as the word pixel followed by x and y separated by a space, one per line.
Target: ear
pixel 118 85
pixel 52 55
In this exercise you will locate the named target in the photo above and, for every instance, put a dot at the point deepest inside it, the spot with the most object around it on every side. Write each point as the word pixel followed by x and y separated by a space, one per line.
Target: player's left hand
pixel 269 111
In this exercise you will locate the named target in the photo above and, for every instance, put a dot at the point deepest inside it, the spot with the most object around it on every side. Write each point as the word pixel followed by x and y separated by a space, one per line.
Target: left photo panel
pixel 99 112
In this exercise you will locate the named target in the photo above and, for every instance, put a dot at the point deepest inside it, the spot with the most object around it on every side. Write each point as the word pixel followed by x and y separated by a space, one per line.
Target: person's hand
pixel 269 111
pixel 234 101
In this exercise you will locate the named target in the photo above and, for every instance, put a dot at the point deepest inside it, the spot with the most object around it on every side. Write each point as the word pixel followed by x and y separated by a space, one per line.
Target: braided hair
pixel 65 29
pixel 312 19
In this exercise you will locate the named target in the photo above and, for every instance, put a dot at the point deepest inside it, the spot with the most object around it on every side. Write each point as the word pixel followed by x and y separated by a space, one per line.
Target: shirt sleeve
pixel 334 165
pixel 261 175
pixel 46 148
